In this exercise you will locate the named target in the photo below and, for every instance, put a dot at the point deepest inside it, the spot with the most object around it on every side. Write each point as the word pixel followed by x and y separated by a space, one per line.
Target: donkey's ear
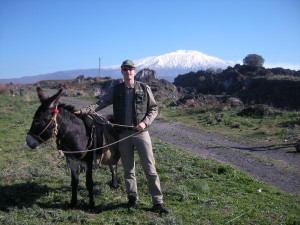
pixel 41 94
pixel 52 101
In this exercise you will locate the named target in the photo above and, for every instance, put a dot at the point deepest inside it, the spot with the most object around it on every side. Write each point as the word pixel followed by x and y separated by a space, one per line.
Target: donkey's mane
pixel 69 108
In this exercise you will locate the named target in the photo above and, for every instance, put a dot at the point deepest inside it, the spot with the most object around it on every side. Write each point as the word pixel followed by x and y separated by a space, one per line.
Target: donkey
pixel 72 135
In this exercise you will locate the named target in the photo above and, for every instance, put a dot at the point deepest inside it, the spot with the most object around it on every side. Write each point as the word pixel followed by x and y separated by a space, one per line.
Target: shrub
pixel 254 60
pixel 3 89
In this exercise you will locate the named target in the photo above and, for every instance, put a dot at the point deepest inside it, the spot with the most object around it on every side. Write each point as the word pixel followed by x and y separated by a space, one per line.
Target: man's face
pixel 128 72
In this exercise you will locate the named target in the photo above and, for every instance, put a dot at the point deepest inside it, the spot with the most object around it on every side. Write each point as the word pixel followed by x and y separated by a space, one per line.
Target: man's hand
pixel 78 112
pixel 140 127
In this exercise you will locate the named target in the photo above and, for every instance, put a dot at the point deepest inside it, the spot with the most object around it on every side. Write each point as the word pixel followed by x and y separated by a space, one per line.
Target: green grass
pixel 35 186
pixel 279 127
pixel 91 99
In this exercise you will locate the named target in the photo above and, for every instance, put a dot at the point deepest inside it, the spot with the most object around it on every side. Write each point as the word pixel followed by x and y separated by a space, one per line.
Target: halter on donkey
pixel 73 135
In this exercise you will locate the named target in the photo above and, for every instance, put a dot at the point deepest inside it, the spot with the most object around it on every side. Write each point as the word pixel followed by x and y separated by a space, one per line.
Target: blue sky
pixel 44 36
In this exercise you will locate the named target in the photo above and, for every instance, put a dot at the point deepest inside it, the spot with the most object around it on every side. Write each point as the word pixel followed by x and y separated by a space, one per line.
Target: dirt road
pixel 276 165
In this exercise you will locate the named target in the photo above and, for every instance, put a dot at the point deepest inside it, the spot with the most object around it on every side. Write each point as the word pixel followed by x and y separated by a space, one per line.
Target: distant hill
pixel 167 66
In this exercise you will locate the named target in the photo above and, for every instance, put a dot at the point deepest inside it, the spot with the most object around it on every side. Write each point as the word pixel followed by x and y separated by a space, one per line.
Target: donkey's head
pixel 44 123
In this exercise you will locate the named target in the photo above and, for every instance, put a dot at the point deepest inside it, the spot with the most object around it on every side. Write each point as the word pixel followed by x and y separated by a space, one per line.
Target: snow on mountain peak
pixel 182 59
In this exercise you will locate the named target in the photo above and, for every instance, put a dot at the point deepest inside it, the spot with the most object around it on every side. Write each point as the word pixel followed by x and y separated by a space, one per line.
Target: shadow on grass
pixel 26 195
pixel 21 195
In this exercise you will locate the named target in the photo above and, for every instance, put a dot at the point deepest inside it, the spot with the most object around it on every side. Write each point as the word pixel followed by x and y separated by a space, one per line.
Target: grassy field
pixel 35 185
pixel 276 127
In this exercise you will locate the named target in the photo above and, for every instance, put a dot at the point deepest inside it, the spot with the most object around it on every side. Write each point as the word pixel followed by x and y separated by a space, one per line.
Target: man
pixel 135 107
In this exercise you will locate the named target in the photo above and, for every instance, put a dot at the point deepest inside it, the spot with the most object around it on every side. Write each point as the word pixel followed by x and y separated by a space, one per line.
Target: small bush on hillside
pixel 3 89
pixel 258 111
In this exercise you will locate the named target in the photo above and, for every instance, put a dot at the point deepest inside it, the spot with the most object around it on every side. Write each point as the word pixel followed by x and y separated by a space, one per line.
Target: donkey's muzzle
pixel 32 142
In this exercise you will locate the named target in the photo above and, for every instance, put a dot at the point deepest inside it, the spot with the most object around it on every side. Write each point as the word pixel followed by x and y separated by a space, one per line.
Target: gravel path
pixel 276 165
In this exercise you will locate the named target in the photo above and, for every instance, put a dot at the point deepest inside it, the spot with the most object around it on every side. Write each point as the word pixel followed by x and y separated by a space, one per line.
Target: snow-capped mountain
pixel 167 66
pixel 183 59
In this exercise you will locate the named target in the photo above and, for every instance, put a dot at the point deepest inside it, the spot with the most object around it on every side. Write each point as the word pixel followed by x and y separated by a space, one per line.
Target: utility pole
pixel 99 71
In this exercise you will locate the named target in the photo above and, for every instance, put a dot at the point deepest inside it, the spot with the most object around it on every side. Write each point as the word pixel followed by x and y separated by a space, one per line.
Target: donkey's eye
pixel 39 121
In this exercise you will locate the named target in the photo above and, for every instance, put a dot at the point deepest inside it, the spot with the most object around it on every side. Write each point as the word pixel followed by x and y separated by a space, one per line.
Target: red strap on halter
pixel 56 111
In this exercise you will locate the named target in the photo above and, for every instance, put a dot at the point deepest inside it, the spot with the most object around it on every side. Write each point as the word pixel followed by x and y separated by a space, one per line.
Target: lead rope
pixel 114 124
pixel 105 146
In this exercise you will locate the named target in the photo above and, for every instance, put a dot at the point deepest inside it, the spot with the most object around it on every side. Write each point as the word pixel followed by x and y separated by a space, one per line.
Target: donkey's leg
pixel 89 182
pixel 74 181
pixel 114 177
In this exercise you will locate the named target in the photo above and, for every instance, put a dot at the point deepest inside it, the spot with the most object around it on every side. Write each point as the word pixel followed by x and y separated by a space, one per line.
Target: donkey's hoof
pixel 115 188
pixel 92 205
pixel 72 205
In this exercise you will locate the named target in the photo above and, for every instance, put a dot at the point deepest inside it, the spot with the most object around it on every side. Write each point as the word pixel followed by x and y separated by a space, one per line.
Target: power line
pixel 99 71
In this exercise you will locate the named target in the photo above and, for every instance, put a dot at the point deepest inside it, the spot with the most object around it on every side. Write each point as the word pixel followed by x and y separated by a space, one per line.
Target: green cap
pixel 128 63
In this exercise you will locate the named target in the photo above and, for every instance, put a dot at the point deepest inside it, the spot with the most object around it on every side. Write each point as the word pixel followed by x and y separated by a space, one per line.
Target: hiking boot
pixel 161 208
pixel 132 201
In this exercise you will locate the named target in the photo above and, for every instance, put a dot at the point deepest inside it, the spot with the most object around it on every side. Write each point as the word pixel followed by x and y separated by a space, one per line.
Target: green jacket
pixel 140 103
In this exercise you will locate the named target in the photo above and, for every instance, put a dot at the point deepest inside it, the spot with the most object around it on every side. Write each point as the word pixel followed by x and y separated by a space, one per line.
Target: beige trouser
pixel 143 145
